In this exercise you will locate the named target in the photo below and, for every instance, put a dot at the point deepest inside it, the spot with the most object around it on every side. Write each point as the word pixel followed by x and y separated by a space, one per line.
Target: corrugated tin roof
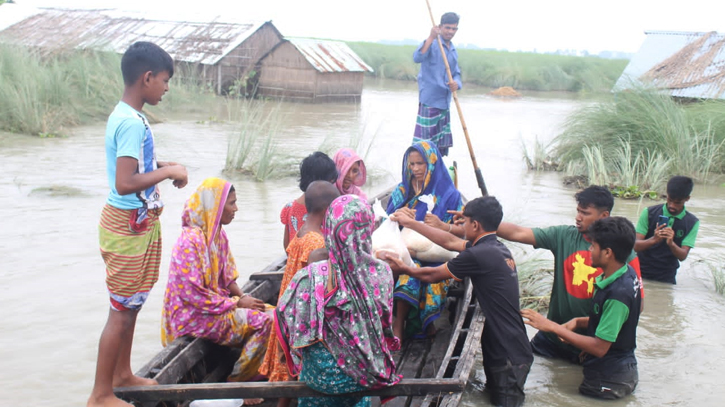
pixel 330 56
pixel 195 42
pixel 684 64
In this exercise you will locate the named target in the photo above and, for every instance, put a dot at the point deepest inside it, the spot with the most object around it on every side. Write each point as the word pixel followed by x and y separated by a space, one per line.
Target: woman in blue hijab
pixel 419 304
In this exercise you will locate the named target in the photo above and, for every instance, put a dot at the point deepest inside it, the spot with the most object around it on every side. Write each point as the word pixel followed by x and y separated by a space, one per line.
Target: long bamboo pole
pixel 479 176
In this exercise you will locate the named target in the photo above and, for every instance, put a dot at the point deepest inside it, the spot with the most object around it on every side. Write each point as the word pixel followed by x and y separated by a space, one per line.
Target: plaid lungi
pixel 434 125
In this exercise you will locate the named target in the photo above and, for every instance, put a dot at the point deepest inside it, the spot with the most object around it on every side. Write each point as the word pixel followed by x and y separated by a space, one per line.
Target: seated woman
pixel 419 304
pixel 202 298
pixel 335 319
pixel 351 172
pixel 317 166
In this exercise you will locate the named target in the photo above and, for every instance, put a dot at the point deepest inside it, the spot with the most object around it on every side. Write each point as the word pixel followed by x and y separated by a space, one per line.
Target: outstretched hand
pixel 434 221
pixel 404 216
pixel 393 260
pixel 537 321
pixel 251 303
pixel 457 217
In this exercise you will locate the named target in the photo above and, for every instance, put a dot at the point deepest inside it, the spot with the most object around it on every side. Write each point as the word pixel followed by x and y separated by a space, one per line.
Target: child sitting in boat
pixel 351 172
pixel 202 298
pixel 318 197
pixel 418 304
pixel 335 319
pixel 315 167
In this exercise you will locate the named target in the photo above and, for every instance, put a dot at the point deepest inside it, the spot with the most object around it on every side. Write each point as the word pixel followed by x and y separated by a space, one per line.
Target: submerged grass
pixel 46 95
pixel 253 148
pixel 535 278
pixel 520 70
pixel 641 137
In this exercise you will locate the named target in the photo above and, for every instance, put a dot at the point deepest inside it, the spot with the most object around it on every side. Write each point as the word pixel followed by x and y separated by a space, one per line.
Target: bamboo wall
pixel 285 73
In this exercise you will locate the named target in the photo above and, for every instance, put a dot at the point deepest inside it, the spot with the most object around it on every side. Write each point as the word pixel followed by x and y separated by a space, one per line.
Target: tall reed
pixel 520 70
pixel 643 137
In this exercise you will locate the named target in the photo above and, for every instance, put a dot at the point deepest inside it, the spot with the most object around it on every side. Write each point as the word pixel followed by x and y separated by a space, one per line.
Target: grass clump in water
pixel 45 95
pixel 641 137
pixel 253 149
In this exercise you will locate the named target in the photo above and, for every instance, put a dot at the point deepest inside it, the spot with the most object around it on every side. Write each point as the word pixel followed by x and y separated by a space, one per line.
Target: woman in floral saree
pixel 202 298
pixel 335 319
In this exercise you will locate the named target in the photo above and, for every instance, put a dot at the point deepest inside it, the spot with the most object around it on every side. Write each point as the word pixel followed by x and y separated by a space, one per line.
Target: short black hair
pixel 485 210
pixel 143 56
pixel 450 18
pixel 319 196
pixel 616 233
pixel 317 166
pixel 679 187
pixel 596 196
pixel 231 189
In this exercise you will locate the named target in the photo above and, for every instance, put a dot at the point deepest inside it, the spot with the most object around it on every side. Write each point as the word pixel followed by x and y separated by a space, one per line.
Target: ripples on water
pixel 54 302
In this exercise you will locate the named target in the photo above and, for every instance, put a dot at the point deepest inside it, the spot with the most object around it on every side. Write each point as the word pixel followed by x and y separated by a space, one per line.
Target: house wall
pixel 285 73
pixel 238 63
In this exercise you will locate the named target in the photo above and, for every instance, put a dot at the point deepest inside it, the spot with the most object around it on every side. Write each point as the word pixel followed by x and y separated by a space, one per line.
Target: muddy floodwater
pixel 52 293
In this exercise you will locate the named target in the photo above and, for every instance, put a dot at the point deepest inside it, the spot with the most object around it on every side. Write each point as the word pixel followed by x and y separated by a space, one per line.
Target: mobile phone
pixel 663 220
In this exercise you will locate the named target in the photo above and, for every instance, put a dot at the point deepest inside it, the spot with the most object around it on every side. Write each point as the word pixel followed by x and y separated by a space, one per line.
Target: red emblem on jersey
pixel 579 275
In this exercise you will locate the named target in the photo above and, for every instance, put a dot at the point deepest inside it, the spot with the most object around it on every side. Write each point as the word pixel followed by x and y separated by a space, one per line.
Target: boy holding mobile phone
pixel 666 233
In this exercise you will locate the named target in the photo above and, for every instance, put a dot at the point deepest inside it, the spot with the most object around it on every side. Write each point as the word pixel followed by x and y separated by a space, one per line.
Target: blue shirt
pixel 128 134
pixel 433 90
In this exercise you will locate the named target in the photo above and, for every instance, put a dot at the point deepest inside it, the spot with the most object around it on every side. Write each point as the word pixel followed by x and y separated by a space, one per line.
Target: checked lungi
pixel 434 125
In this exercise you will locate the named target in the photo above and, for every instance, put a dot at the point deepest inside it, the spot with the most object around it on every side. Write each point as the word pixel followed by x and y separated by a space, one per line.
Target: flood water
pixel 53 298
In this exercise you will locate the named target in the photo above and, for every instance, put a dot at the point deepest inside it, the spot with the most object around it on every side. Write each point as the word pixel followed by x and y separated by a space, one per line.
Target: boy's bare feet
pixel 133 380
pixel 253 402
pixel 110 401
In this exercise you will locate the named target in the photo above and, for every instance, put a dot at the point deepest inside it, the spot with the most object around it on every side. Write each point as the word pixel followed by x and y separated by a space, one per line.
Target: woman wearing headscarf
pixel 202 298
pixel 351 172
pixel 335 319
pixel 419 304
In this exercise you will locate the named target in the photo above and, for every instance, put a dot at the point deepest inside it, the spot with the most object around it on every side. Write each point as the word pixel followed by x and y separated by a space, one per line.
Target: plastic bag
pixel 387 236
pixel 419 246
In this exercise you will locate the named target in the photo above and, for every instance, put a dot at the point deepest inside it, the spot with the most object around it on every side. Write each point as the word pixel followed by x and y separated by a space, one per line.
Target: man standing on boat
pixel 434 90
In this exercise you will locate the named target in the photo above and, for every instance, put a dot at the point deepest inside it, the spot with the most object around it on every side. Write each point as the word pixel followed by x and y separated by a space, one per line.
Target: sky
pixel 525 25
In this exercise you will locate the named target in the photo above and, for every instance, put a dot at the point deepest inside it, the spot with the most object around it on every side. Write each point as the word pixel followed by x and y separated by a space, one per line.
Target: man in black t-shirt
pixel 507 355
pixel 610 367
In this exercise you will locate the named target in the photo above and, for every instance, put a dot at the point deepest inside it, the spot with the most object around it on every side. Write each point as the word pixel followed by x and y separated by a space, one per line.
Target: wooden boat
pixel 435 370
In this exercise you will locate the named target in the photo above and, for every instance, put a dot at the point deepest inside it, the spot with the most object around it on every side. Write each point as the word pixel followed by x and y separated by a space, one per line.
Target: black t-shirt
pixel 492 270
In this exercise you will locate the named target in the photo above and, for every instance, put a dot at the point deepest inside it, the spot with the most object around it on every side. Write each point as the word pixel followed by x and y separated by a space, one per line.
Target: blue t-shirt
pixel 128 134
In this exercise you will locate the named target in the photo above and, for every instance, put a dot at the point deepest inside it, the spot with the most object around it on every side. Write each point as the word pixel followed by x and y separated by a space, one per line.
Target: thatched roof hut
pixel 220 52
pixel 683 64
pixel 310 70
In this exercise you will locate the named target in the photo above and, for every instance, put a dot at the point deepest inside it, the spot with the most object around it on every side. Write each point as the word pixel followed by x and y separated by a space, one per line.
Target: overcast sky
pixel 527 25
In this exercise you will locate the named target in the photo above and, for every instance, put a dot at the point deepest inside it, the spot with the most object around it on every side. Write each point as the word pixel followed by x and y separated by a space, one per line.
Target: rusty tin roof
pixel 113 30
pixel 684 64
pixel 330 56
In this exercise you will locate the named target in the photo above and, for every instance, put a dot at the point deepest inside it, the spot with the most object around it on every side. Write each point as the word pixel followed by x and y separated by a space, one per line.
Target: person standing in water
pixel 433 122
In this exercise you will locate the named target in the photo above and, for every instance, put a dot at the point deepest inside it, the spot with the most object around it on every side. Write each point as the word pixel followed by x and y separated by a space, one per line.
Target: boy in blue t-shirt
pixel 129 229
pixel 610 367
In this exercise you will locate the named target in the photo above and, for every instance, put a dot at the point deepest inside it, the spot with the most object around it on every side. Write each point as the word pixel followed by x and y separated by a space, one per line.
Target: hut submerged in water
pixel 220 53
pixel 686 65
pixel 311 70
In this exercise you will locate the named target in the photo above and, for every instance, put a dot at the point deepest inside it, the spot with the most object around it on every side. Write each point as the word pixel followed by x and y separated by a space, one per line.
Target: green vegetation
pixel 640 138
pixel 45 95
pixel 253 149
pixel 535 277
pixel 520 70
